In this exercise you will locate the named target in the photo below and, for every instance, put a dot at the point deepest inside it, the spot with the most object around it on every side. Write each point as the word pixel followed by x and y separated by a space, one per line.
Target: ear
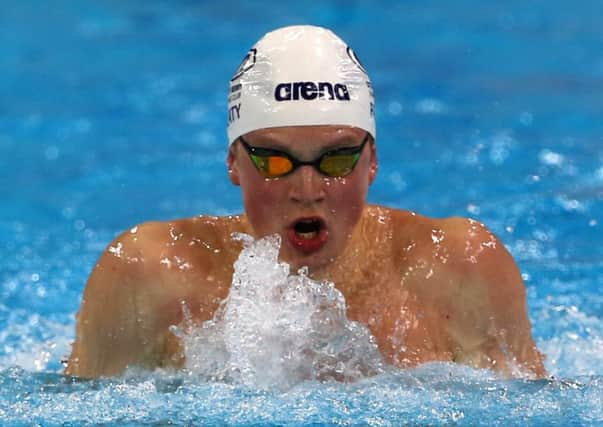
pixel 233 168
pixel 374 165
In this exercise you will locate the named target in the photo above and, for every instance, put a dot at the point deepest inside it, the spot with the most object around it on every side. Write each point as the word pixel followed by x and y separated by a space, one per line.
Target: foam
pixel 277 329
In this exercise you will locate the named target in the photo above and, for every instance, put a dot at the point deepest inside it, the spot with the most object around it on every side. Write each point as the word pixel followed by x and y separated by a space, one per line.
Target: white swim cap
pixel 299 76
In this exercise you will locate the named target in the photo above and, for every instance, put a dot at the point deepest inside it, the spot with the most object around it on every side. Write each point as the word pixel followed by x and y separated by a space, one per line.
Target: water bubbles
pixel 10 286
pixel 174 234
pixel 395 108
pixel 570 205
pixel 79 225
pixel 176 261
pixel 116 250
pixel 195 114
pixel 41 292
pixel 437 236
pixel 303 271
pixel 473 209
pixel 51 153
pixel 68 212
pixel 577 343
pixel 182 264
pixel 42 359
pixel 551 158
pixel 541 235
pixel 430 106
pixel 501 145
pixel 472 157
pixel 206 139
pixel 277 329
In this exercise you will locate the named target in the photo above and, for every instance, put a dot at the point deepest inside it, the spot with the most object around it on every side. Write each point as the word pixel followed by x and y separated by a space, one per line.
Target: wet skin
pixel 428 289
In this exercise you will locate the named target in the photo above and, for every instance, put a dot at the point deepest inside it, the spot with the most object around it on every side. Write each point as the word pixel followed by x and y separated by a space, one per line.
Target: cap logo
pixel 246 65
pixel 308 91
pixel 355 59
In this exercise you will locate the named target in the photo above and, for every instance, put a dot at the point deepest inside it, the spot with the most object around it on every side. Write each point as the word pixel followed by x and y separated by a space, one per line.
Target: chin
pixel 314 262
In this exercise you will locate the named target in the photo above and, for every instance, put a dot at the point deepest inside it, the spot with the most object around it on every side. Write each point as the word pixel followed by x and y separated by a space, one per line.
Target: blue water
pixel 112 113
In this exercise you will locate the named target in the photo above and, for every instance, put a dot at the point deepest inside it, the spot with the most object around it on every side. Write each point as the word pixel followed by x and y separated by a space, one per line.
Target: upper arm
pixel 492 324
pixel 110 332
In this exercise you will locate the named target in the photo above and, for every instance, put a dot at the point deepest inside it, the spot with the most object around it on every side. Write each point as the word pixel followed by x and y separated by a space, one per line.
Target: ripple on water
pixel 434 394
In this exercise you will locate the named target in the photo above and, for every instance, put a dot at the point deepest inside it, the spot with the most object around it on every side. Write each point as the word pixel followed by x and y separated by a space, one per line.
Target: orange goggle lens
pixel 272 166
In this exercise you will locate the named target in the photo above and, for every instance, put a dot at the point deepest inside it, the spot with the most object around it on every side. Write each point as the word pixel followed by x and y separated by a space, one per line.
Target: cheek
pixel 262 201
pixel 347 200
pixel 259 199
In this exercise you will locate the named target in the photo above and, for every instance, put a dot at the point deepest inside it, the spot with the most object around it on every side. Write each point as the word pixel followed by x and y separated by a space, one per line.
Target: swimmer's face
pixel 314 214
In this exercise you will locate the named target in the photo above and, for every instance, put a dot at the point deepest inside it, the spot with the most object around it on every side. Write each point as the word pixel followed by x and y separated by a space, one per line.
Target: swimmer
pixel 302 148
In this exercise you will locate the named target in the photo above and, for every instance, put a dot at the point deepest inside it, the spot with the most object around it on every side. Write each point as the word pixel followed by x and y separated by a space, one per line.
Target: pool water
pixel 113 113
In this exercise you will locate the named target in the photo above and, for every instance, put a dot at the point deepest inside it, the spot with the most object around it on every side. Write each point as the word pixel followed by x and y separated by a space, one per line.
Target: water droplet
pixel 395 108
pixel 79 225
pixel 430 106
pixel 116 250
pixel 473 209
pixel 51 153
pixel 437 236
pixel 551 158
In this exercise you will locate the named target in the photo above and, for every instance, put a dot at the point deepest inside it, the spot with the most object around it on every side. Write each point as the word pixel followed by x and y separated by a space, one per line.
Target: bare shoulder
pixel 158 252
pixel 465 258
pixel 452 252
pixel 472 242
pixel 155 240
pixel 459 243
pixel 480 258
pixel 463 272
pixel 135 291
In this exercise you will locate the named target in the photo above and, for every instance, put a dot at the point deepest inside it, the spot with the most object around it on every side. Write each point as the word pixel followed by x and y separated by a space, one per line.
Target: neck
pixel 365 257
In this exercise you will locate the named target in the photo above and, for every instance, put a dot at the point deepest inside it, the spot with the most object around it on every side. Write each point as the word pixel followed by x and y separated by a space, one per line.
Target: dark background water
pixel 113 113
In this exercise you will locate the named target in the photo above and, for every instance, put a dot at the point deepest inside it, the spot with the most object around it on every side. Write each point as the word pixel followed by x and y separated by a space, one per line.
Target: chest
pixel 407 313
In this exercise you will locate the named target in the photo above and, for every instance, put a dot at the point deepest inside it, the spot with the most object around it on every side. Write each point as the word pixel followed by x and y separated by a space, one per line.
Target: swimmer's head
pixel 299 76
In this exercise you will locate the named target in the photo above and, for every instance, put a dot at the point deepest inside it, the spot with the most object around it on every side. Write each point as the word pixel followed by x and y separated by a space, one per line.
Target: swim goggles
pixel 273 163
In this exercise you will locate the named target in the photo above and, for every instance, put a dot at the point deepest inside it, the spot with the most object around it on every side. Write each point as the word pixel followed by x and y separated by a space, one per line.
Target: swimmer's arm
pixel 492 326
pixel 112 329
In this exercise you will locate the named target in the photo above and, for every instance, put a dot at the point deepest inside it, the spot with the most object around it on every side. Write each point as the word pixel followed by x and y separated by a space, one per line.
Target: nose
pixel 307 186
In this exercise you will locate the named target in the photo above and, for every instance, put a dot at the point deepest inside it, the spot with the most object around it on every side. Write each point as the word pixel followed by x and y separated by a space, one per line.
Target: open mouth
pixel 307 228
pixel 308 234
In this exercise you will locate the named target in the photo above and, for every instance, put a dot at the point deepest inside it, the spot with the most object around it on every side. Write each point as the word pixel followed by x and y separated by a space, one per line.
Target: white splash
pixel 276 329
